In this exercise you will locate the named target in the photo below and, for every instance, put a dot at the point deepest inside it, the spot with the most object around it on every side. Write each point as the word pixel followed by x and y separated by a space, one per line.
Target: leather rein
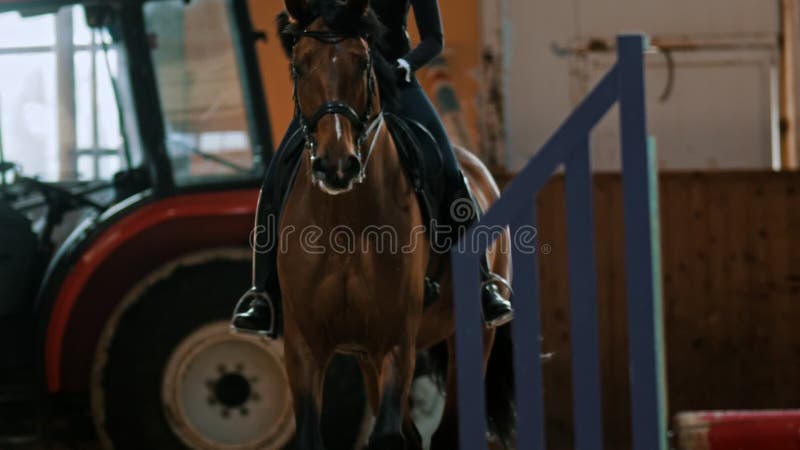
pixel 364 124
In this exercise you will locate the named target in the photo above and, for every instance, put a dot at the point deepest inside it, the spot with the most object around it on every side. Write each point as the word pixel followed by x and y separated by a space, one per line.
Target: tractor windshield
pixel 59 115
pixel 200 90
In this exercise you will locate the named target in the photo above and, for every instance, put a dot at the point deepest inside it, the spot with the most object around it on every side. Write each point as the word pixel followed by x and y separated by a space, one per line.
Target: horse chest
pixel 350 261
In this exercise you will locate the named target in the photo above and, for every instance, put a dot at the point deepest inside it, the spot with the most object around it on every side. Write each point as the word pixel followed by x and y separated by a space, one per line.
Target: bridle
pixel 363 124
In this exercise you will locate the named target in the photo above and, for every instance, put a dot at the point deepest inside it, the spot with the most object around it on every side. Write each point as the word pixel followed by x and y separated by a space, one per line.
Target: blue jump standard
pixel 569 146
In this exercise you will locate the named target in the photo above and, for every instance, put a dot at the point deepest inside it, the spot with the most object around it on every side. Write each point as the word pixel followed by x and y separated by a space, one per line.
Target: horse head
pixel 335 89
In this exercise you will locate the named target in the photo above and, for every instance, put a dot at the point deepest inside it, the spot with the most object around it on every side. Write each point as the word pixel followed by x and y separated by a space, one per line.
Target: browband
pixel 328 37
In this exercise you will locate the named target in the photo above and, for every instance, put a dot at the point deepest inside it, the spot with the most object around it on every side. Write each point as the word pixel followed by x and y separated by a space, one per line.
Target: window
pixel 58 112
pixel 28 93
pixel 200 89
pixel 96 117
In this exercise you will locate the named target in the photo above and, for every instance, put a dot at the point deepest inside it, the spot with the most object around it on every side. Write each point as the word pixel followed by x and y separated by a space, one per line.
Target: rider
pixel 413 103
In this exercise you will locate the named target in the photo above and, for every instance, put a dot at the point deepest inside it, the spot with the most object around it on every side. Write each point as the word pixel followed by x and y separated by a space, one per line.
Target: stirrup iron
pixel 241 307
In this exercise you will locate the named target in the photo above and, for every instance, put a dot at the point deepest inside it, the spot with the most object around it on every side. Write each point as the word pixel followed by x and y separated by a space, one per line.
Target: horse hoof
pixel 388 442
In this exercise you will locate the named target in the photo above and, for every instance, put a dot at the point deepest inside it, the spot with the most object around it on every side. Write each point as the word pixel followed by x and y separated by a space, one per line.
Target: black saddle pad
pixel 422 160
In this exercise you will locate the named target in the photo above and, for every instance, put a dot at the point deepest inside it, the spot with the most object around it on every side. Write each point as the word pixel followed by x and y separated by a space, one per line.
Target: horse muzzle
pixel 336 176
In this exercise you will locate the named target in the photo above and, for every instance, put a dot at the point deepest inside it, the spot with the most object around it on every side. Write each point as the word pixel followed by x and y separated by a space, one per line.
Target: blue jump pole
pixel 584 329
pixel 642 252
pixel 527 331
pixel 469 348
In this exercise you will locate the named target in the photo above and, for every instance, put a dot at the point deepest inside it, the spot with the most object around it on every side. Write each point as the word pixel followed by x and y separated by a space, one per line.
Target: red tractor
pixel 119 273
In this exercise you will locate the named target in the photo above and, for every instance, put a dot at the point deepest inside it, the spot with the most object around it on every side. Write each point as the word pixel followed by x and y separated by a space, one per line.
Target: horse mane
pixel 343 20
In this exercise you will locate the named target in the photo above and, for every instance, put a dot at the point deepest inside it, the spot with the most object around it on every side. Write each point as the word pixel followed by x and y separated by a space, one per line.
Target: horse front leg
pixel 394 429
pixel 306 377
pixel 446 435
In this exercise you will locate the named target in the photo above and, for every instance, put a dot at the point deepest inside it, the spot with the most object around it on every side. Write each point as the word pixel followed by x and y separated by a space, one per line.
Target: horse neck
pixel 384 175
pixel 384 171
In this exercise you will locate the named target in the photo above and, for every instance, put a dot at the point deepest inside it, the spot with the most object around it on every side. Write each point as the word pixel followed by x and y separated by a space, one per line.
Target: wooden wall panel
pixel 731 260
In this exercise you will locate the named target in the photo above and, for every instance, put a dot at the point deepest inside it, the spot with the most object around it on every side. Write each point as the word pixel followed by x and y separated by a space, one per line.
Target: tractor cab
pixel 101 100
pixel 134 95
pixel 133 136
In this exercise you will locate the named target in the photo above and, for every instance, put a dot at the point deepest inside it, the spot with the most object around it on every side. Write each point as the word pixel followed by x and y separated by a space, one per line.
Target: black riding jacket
pixel 394 14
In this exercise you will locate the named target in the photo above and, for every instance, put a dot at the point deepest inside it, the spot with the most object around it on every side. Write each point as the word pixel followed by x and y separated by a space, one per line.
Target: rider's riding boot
pixel 258 311
pixel 259 317
pixel 497 310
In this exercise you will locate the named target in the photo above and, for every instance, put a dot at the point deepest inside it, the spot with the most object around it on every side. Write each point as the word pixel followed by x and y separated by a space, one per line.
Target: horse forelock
pixel 339 18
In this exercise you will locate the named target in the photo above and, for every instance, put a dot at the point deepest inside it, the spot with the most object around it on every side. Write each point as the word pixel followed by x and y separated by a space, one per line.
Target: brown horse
pixel 353 253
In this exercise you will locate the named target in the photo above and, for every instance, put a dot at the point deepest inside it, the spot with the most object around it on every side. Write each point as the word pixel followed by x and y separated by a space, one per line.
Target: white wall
pixel 718 115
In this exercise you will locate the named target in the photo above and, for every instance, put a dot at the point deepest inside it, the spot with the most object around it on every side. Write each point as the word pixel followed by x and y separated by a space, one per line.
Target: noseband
pixel 363 124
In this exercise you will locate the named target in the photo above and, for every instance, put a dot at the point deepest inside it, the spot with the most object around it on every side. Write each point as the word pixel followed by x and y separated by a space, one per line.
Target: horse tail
pixel 500 392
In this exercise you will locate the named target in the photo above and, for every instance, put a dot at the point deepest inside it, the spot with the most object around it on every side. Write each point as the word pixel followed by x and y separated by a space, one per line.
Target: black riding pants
pixel 415 105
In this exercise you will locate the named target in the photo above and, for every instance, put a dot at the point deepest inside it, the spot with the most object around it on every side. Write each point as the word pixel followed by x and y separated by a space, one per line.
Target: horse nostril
pixel 352 166
pixel 320 166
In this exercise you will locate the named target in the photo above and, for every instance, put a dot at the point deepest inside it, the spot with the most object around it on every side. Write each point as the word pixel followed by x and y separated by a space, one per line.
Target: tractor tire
pixel 168 374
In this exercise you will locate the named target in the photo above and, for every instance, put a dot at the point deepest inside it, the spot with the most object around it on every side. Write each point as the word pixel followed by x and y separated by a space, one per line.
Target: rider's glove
pixel 403 71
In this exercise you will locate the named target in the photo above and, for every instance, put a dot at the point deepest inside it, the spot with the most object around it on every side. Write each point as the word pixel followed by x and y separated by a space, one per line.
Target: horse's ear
pixel 286 32
pixel 358 6
pixel 298 9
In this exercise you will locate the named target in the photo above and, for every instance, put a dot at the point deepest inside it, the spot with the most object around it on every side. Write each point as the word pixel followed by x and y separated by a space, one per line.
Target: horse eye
pixel 363 63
